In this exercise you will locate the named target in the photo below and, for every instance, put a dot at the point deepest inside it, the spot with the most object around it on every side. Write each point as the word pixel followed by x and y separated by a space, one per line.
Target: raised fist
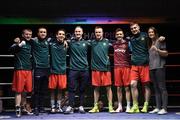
pixel 161 38
pixel 17 40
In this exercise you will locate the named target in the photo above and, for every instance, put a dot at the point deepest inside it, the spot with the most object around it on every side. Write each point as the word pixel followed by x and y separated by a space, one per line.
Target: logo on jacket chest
pixel 104 44
pixel 120 50
pixel 142 38
pixel 83 44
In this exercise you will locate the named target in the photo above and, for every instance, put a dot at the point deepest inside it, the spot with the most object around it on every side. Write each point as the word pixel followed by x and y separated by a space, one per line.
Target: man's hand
pixel 17 40
pixel 65 44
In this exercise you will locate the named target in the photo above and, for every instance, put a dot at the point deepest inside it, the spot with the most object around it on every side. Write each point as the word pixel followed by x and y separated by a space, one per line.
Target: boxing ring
pixel 173 110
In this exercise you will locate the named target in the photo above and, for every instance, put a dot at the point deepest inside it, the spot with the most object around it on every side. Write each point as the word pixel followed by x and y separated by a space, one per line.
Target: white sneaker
pixel 156 110
pixel 81 110
pixel 69 110
pixel 178 113
pixel 128 109
pixel 162 112
pixel 119 109
pixel 53 110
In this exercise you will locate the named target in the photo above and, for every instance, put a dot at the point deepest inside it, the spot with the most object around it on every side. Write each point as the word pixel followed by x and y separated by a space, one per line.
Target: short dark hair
pixel 41 28
pixel 26 29
pixel 133 23
pixel 61 30
pixel 118 29
pixel 97 27
pixel 78 27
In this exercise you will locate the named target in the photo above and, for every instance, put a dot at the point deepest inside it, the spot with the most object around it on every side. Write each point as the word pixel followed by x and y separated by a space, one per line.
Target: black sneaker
pixel 18 111
pixel 36 111
pixel 42 110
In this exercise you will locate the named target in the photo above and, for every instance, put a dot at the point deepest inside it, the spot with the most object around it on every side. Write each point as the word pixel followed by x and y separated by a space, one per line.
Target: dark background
pixel 62 9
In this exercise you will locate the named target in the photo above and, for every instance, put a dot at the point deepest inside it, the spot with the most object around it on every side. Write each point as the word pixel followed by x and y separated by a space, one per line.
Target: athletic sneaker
pixel 81 110
pixel 156 110
pixel 134 109
pixel 53 109
pixel 145 107
pixel 18 111
pixel 111 110
pixel 36 111
pixel 69 110
pixel 178 113
pixel 162 112
pixel 95 109
pixel 119 109
pixel 42 110
pixel 128 109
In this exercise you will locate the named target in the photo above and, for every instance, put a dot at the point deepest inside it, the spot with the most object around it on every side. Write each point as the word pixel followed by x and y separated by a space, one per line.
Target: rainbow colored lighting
pixel 80 20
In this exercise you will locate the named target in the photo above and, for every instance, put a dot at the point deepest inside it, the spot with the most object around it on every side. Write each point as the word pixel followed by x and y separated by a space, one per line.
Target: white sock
pixel 128 104
pixel 58 103
pixel 120 105
pixel 52 103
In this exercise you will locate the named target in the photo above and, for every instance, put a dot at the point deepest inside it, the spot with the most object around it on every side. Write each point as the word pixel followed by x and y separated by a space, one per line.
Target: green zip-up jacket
pixel 40 52
pixel 99 55
pixel 57 57
pixel 78 54
pixel 139 45
pixel 22 56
